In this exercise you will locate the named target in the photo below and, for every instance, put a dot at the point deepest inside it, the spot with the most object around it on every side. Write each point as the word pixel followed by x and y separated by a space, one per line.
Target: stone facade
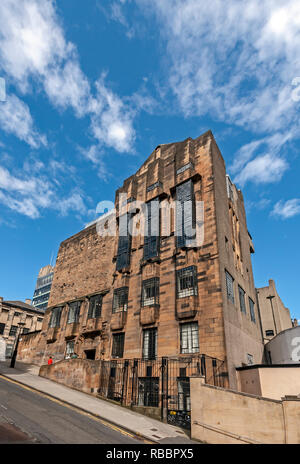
pixel 87 265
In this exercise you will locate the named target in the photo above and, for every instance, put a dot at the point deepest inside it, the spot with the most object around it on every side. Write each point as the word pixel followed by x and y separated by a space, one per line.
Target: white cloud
pixel 33 192
pixel 111 121
pixel 262 169
pixel 15 118
pixel 287 209
pixel 234 60
pixel 33 46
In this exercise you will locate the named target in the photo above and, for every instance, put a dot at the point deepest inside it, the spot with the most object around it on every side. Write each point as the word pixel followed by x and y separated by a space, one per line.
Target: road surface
pixel 29 417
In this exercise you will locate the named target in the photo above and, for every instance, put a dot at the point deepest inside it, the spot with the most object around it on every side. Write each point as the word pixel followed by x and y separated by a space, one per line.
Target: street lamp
pixel 14 356
pixel 270 297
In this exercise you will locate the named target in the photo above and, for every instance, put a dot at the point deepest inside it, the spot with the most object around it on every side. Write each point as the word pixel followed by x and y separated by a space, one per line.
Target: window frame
pixel 252 310
pixel 118 342
pixel 190 348
pixel 118 293
pixel 193 288
pixel 149 349
pixel 94 311
pixel 150 300
pixel 55 317
pixel 74 307
pixel 230 296
pixel 243 293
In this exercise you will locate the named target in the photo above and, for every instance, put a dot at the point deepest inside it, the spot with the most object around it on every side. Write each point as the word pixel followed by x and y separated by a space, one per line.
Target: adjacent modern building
pixel 162 290
pixel 43 287
pixel 275 317
pixel 17 317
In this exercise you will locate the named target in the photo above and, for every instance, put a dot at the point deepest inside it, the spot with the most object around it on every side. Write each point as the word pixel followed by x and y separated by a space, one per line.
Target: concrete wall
pixel 281 319
pixel 222 416
pixel 270 381
pixel 80 374
pixel 285 347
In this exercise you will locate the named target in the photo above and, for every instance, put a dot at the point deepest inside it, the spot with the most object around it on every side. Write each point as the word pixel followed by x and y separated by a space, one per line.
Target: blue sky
pixel 93 87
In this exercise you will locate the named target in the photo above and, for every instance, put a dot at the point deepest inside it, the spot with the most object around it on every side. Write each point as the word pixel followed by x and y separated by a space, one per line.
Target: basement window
pixel 150 292
pixel 186 280
pixel 250 359
pixel 150 343
pixel 148 391
pixel 120 300
pixel 118 345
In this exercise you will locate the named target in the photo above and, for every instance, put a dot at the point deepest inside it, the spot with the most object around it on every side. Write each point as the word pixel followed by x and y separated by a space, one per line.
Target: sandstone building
pixel 150 296
pixel 16 316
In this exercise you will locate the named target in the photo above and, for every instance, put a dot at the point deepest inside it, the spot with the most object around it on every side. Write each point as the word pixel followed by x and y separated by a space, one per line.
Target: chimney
pixel 28 301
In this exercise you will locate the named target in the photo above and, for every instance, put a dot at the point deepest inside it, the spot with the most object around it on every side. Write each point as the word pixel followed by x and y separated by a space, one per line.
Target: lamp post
pixel 270 297
pixel 14 356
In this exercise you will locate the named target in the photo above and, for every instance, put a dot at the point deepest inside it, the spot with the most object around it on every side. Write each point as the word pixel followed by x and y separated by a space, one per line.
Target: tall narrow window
pixel 150 292
pixel 229 286
pixel 55 317
pixel 69 349
pixel 189 338
pixel 118 345
pixel 152 229
pixel 186 281
pixel 120 300
pixel 252 311
pixel 124 246
pixel 95 306
pixel 185 214
pixel 242 300
pixel 74 310
pixel 13 330
pixel 150 343
pixel 2 327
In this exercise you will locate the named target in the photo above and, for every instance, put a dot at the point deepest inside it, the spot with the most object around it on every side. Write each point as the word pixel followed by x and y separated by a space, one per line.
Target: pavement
pixel 138 424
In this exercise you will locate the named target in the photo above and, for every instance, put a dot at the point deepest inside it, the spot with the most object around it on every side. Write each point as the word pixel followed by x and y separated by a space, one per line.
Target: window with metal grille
pixel 118 345
pixel 150 343
pixel 189 338
pixel 120 300
pixel 229 286
pixel 186 281
pixel 124 245
pixel 148 394
pixel 2 328
pixel 69 349
pixel 55 317
pixel 13 330
pixel 150 292
pixel 185 214
pixel 95 306
pixel 242 300
pixel 25 330
pixel 74 310
pixel 152 229
pixel 252 311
